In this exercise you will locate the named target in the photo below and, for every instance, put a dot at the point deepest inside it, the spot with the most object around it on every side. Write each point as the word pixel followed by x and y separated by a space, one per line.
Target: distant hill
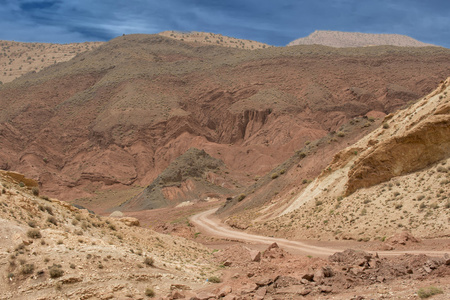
pixel 356 39
pixel 209 38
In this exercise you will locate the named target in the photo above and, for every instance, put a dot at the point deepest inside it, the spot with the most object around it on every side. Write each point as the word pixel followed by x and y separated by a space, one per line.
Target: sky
pixel 275 22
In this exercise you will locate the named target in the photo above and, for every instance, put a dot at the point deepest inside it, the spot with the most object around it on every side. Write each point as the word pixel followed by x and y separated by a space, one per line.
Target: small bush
pixel 27 269
pixel 49 209
pixel 52 220
pixel 241 197
pixel 428 292
pixel 214 279
pixel 149 292
pixel 340 134
pixel 385 125
pixel 55 271
pixel 32 223
pixel 35 191
pixel 274 175
pixel 149 261
pixel 34 234
pixel 21 184
pixel 302 154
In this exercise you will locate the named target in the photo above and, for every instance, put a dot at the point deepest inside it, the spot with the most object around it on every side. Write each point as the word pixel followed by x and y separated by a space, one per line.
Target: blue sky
pixel 276 22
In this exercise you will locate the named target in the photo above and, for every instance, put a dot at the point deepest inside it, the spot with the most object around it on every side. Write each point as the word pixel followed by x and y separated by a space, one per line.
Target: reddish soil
pixel 118 115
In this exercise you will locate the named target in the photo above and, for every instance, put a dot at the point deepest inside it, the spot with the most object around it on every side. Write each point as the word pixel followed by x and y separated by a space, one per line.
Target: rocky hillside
pixel 17 59
pixel 50 250
pixel 208 38
pixel 117 116
pixel 356 39
pixel 395 178
pixel 191 177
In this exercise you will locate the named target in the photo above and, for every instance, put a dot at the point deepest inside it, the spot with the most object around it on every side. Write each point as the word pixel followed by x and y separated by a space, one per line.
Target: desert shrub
pixel 442 169
pixel 32 223
pixel 318 202
pixel 27 269
pixel 55 271
pixel 35 191
pixel 214 279
pixel 21 184
pixel 34 234
pixel 274 175
pixel 49 209
pixel 241 197
pixel 301 154
pixel 340 134
pixel 149 261
pixel 385 125
pixel 52 220
pixel 429 291
pixel 149 292
pixel 304 181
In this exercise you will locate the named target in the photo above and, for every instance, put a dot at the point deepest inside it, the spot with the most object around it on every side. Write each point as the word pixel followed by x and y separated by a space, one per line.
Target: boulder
pixel 130 221
pixel 225 290
pixel 255 255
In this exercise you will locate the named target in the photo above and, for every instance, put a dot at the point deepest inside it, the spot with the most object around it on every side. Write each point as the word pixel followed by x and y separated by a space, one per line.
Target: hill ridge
pixel 357 39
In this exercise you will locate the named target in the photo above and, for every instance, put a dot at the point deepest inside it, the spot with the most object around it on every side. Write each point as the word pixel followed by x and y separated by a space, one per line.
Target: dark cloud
pixel 272 22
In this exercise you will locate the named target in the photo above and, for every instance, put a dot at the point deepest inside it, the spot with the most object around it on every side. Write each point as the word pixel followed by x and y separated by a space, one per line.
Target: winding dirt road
pixel 209 224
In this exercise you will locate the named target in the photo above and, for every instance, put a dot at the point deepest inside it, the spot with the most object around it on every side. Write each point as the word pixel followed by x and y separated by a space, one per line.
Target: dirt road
pixel 209 224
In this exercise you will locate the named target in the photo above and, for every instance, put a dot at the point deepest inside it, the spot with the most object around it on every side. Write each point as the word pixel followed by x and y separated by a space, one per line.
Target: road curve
pixel 207 223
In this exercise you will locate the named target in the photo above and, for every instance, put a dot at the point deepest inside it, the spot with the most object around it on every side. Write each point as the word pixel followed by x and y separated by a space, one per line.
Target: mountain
pixel 17 59
pixel 393 179
pixel 356 39
pixel 118 115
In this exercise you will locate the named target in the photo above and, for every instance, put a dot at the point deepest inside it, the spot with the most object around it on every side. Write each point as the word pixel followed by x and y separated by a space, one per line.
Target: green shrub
pixel 149 292
pixel 32 223
pixel 27 269
pixel 34 234
pixel 52 220
pixel 149 261
pixel 241 197
pixel 214 279
pixel 429 291
pixel 274 175
pixel 55 271
pixel 35 191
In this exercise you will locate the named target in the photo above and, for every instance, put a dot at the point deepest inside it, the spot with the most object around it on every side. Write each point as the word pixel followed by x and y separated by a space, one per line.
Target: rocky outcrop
pixel 418 140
